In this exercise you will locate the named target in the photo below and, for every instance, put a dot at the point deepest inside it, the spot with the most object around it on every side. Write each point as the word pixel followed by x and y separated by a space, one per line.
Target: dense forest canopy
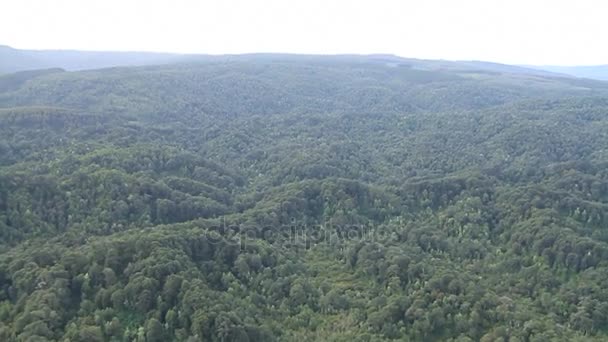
pixel 278 197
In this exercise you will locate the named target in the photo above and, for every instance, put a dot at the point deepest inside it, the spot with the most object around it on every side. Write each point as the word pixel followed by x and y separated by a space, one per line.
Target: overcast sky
pixel 509 31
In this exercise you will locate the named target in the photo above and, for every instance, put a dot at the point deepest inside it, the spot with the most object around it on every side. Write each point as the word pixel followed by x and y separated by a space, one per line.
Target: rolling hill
pixel 316 198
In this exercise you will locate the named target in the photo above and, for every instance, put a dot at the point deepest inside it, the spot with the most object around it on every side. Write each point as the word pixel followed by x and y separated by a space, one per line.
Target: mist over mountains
pixel 12 60
pixel 599 72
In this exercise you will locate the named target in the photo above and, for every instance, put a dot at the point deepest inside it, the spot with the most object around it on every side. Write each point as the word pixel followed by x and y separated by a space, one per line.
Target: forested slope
pixel 272 197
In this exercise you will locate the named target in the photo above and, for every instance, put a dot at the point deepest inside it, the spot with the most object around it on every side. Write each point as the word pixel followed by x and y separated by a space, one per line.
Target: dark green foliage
pixel 261 198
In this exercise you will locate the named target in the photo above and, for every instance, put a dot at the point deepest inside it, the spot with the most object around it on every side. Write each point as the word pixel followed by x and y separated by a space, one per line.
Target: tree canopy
pixel 270 197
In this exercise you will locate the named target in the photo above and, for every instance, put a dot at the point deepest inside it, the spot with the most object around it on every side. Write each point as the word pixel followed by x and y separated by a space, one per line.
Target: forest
pixel 303 198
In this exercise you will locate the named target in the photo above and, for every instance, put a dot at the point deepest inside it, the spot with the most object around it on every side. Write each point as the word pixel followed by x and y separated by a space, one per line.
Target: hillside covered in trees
pixel 303 198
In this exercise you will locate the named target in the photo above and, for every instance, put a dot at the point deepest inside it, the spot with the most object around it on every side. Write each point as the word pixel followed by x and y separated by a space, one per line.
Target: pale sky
pixel 509 31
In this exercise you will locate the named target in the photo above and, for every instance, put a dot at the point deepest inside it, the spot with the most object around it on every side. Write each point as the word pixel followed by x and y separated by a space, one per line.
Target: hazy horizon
pixel 296 54
pixel 519 32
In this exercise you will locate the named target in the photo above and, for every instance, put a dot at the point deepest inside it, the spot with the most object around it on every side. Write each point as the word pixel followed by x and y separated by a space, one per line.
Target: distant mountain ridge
pixel 598 72
pixel 15 60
